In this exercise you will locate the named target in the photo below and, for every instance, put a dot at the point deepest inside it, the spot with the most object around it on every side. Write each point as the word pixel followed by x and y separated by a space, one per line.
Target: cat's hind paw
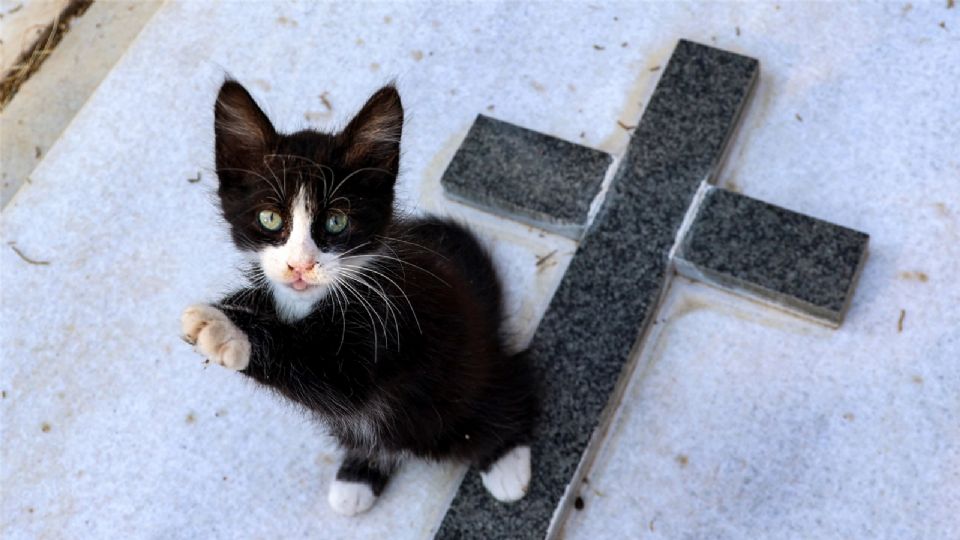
pixel 509 477
pixel 350 498
pixel 215 336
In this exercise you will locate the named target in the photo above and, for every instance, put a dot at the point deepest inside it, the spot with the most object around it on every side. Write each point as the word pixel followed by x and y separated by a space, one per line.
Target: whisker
pixel 354 248
pixel 367 308
pixel 399 289
pixel 352 277
pixel 335 290
pixel 391 307
pixel 335 189
pixel 421 246
pixel 321 167
pixel 408 263
pixel 276 188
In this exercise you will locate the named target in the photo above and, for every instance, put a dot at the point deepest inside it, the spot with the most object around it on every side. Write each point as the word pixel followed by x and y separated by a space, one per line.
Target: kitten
pixel 387 329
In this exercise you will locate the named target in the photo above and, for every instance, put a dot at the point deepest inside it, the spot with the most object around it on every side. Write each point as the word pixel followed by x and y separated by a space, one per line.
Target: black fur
pixel 358 467
pixel 434 379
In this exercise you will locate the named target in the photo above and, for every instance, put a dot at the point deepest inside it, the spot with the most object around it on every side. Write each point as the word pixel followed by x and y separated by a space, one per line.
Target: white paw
pixel 508 478
pixel 215 336
pixel 350 498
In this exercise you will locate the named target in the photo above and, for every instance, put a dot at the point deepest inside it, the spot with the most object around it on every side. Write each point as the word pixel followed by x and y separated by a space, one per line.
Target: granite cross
pixel 660 215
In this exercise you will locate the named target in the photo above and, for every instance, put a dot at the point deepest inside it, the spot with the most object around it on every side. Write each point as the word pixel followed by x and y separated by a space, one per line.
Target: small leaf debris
pixel 324 98
pixel 542 260
pixel 28 260
pixel 45 427
pixel 798 117
pixel 903 315
pixel 625 126
pixel 599 47
pixel 655 68
pixel 195 180
pixel 922 277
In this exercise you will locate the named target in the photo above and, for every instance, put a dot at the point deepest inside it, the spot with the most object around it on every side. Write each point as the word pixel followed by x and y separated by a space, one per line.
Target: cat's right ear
pixel 244 134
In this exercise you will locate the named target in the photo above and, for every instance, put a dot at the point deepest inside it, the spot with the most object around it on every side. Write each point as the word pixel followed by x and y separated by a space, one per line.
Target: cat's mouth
pixel 300 285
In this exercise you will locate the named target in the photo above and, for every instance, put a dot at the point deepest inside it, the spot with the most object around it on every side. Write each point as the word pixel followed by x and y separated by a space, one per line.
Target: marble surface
pixel 527 176
pixel 51 97
pixel 747 422
pixel 110 427
pixel 794 261
pixel 614 283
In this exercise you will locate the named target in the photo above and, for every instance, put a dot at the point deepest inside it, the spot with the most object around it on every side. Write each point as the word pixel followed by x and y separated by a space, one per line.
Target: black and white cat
pixel 388 329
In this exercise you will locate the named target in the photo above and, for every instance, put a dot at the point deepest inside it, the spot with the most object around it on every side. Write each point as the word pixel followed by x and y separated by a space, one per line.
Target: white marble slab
pixel 749 423
pixel 111 427
pixel 47 102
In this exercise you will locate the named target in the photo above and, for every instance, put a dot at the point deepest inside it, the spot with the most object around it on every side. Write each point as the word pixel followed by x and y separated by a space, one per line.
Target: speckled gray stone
pixel 793 260
pixel 583 346
pixel 527 176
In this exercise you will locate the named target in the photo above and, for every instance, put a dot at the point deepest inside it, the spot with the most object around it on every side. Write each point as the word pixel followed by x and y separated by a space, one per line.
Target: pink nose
pixel 302 266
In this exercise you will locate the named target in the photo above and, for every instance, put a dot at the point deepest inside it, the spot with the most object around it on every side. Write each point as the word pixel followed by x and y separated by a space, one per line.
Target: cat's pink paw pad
pixel 215 336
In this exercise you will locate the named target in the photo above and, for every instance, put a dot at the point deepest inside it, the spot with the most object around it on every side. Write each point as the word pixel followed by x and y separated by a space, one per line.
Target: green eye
pixel 270 220
pixel 336 222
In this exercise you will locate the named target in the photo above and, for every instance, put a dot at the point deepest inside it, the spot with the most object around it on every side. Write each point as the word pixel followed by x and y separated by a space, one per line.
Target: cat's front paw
pixel 215 336
pixel 509 477
pixel 350 498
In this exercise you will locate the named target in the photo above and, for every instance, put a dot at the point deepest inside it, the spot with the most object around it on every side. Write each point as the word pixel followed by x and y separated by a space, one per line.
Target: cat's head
pixel 306 207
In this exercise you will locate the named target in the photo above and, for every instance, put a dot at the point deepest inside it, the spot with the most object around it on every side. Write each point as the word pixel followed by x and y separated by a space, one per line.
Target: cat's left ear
pixel 373 136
